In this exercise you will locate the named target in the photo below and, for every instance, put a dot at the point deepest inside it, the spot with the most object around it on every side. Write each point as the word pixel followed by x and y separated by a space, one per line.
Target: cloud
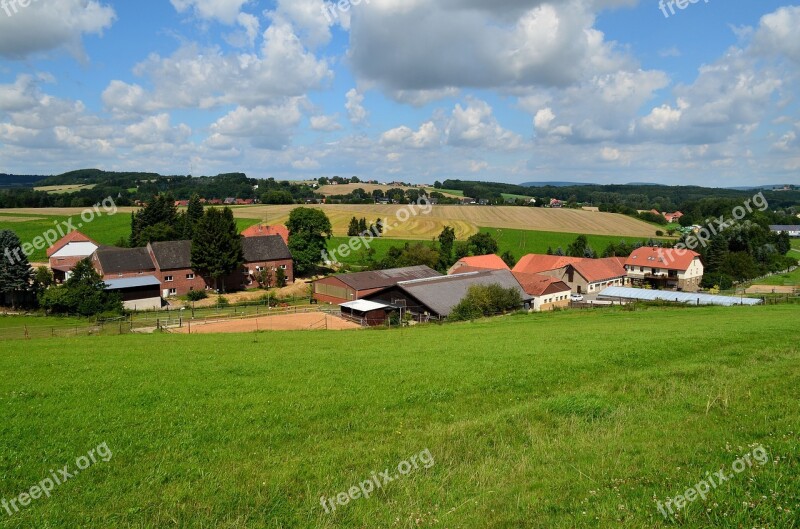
pixel 427 136
pixel 265 127
pixel 225 11
pixel 325 123
pixel 355 107
pixel 475 126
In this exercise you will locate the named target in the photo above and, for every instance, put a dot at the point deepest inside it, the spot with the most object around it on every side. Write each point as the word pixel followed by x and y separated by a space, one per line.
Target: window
pixel 168 278
pixel 173 291
pixel 283 267
pixel 189 276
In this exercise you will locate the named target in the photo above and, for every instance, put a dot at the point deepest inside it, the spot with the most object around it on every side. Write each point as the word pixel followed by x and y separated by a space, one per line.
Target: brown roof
pixel 666 258
pixel 595 270
pixel 73 236
pixel 386 278
pixel 534 263
pixel 118 260
pixel 538 285
pixel 480 262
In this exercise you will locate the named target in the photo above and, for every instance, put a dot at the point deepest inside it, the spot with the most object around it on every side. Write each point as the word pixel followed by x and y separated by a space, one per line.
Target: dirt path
pixel 287 322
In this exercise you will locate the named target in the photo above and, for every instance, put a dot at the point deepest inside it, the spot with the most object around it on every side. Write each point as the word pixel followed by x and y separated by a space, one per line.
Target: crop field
pixel 466 220
pixel 105 229
pixel 64 189
pixel 523 421
pixel 345 189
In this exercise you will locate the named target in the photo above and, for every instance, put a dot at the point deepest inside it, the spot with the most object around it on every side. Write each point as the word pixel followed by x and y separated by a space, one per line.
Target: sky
pixel 599 91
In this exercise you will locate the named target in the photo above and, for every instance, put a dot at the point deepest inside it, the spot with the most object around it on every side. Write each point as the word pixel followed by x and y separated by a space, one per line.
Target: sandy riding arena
pixel 286 322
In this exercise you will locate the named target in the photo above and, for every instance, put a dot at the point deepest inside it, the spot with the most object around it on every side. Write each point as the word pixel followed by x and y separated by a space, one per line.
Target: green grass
pixel 790 279
pixel 522 242
pixel 381 246
pixel 105 229
pixel 796 245
pixel 456 192
pixel 531 421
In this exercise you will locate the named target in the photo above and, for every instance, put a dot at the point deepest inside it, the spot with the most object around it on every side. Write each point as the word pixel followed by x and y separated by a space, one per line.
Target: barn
pixel 342 288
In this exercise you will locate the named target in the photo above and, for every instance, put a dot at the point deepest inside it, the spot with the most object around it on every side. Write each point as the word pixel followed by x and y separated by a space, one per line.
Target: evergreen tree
pixel 549 250
pixel 378 228
pixel 717 253
pixel 362 226
pixel 352 229
pixel 509 259
pixel 193 215
pixel 217 246
pixel 16 275
pixel 447 239
pixel 157 221
pixel 280 278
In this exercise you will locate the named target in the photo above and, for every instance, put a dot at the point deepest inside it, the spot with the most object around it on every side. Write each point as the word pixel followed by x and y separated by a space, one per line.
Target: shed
pixel 138 293
pixel 367 313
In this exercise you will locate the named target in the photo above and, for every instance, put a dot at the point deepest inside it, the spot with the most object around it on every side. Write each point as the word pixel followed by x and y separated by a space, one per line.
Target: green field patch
pixel 790 279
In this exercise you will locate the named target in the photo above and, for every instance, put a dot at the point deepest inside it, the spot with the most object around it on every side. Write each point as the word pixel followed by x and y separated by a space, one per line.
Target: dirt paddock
pixel 284 322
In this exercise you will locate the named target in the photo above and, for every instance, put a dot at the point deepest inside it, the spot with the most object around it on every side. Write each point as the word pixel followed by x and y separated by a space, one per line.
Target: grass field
pixel 531 421
pixel 381 246
pixel 64 189
pixel 466 220
pixel 790 279
pixel 105 229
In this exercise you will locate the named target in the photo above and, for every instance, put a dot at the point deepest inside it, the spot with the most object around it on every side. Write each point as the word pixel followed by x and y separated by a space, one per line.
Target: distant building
pixel 793 231
pixel 548 292
pixel 478 263
pixel 583 275
pixel 65 253
pixel 665 268
pixel 261 230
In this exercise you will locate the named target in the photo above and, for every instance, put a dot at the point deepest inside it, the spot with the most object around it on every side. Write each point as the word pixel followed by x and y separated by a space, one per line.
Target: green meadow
pixel 531 421
pixel 105 229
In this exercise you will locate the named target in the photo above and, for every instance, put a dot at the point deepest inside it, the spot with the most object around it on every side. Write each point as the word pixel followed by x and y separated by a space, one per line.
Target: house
pixel 793 231
pixel 342 288
pixel 547 292
pixel 434 298
pixel 665 268
pixel 268 253
pixel 261 230
pixel 583 275
pixel 137 293
pixel 555 203
pixel 366 313
pixel 673 217
pixel 230 201
pixel 65 253
pixel 173 263
pixel 116 263
pixel 181 203
pixel 478 262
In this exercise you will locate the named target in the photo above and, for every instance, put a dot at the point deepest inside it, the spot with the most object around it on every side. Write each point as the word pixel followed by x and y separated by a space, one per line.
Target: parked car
pixel 576 297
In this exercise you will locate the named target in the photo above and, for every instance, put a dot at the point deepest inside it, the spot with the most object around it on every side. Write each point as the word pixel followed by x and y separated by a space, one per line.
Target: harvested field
pixel 285 322
pixel 6 218
pixel 64 189
pixel 466 220
pixel 346 189
pixel 770 289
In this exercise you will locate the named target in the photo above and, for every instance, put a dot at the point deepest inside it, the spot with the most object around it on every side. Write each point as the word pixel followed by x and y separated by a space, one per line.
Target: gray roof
pixel 386 278
pixel 173 255
pixel 441 294
pixel 784 227
pixel 616 293
pixel 267 248
pixel 118 260
pixel 132 282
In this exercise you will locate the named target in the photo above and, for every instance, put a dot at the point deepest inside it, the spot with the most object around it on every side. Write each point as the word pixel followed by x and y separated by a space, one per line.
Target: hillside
pixel 530 421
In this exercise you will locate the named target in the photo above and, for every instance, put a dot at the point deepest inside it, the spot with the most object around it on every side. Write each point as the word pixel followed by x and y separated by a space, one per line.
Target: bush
pixel 196 295
pixel 486 300
pixel 222 301
pixel 659 233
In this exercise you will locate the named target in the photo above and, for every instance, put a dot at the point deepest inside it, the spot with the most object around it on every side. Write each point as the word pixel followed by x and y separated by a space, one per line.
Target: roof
pixel 538 285
pixel 666 258
pixel 117 260
pixel 75 249
pixel 784 227
pixel 132 282
pixel 536 263
pixel 362 305
pixel 172 255
pixel 269 248
pixel 73 236
pixel 260 230
pixel 386 278
pixel 595 270
pixel 615 293
pixel 441 294
pixel 485 262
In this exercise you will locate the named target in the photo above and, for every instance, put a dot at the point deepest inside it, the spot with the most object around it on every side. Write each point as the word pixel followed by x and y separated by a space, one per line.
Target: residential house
pixel 665 268
pixel 434 298
pixel 65 253
pixel 548 292
pixel 261 230
pixel 477 263
pixel 173 263
pixel 268 253
pixel 583 275
pixel 793 231
pixel 342 288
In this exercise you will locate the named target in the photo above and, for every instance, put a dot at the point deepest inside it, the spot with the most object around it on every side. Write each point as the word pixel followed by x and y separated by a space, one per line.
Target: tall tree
pixel 157 221
pixel 16 274
pixel 482 244
pixel 447 239
pixel 362 225
pixel 193 215
pixel 217 246
pixel 309 231
pixel 352 228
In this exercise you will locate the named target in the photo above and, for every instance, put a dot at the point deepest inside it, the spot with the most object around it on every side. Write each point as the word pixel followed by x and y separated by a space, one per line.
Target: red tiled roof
pixel 666 258
pixel 74 236
pixel 483 262
pixel 539 285
pixel 260 230
pixel 595 270
pixel 536 263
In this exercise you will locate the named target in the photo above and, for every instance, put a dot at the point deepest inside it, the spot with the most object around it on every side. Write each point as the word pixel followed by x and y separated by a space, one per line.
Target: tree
pixel 84 294
pixel 43 279
pixel 486 300
pixel 352 228
pixel 217 246
pixel 549 250
pixel 509 259
pixel 157 221
pixel 717 253
pixel 482 244
pixel 579 247
pixel 276 197
pixel 280 278
pixel 378 231
pixel 192 217
pixel 447 239
pixel 309 231
pixel 362 225
pixel 16 275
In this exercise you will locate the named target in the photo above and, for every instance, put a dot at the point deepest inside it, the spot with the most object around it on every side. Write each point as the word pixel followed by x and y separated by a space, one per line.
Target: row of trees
pixel 359 227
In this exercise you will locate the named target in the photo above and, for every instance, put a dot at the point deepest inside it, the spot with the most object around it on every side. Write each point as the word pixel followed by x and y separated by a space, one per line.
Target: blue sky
pixel 604 91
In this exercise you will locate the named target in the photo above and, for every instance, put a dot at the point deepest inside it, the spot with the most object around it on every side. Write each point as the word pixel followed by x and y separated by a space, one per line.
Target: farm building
pixel 623 294
pixel 366 313
pixel 547 292
pixel 477 263
pixel 342 288
pixel 584 276
pixel 137 293
pixel 266 253
pixel 115 263
pixel 665 268
pixel 434 298
pixel 793 231
pixel 261 230
pixel 65 253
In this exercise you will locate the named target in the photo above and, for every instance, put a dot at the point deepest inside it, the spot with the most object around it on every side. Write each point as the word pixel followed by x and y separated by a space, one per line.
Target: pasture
pixel 530 421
